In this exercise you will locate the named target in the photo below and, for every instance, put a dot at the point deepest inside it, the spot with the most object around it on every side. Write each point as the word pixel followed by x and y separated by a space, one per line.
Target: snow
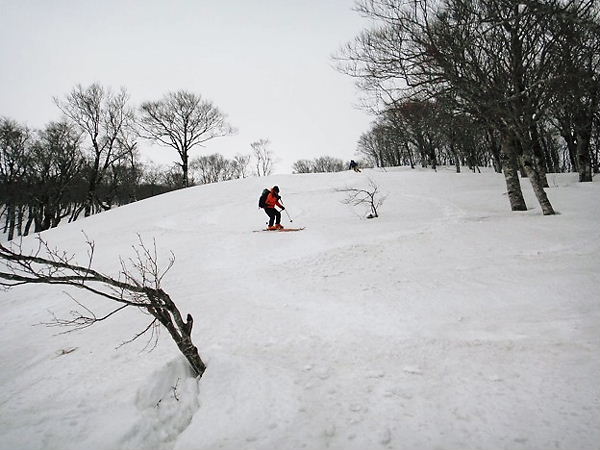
pixel 448 322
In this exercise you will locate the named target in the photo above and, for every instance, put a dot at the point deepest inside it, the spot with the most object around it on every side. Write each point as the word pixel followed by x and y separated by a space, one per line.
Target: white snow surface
pixel 449 322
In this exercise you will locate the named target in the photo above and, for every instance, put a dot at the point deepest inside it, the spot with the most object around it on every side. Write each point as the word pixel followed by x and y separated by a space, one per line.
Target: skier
pixel 271 201
pixel 354 166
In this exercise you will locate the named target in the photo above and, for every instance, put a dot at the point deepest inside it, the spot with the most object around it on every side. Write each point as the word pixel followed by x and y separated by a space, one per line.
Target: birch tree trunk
pixel 536 182
pixel 511 175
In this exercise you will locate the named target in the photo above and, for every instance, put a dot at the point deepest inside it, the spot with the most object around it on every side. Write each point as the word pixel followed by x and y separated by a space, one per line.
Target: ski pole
pixel 285 209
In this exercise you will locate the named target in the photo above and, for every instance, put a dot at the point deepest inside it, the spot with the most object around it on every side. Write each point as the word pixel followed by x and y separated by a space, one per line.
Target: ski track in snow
pixel 447 323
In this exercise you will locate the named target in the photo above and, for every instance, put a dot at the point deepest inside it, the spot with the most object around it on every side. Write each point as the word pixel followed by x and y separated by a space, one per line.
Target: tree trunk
pixel 552 154
pixel 181 332
pixel 190 351
pixel 432 155
pixel 596 156
pixel 538 154
pixel 533 167
pixel 584 161
pixel 20 215
pixel 455 156
pixel 185 169
pixel 495 150
pixel 410 155
pixel 511 175
pixel 572 147
pixel 29 222
pixel 10 211
pixel 536 183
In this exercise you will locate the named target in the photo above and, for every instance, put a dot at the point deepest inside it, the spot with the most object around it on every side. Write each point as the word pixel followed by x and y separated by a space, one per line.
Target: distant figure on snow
pixel 271 199
pixel 354 166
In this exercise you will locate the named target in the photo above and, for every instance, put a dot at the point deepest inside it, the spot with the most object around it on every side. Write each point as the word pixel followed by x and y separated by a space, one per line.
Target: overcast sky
pixel 265 63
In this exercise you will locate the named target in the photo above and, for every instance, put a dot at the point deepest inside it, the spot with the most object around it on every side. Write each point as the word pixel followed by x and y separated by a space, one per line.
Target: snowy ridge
pixel 448 322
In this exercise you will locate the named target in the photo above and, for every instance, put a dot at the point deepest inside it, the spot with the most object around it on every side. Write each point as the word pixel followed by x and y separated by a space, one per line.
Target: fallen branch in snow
pixel 138 285
pixel 174 388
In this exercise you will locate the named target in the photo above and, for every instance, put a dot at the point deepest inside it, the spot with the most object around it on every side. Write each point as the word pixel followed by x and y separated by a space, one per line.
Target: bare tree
pixel 302 166
pixel 419 122
pixel 172 177
pixel 130 166
pixel 498 61
pixel 102 116
pixel 137 285
pixel 368 196
pixel 321 164
pixel 374 145
pixel 14 168
pixel 241 163
pixel 56 168
pixel 324 164
pixel 212 168
pixel 577 99
pixel 182 120
pixel 263 157
pixel 215 168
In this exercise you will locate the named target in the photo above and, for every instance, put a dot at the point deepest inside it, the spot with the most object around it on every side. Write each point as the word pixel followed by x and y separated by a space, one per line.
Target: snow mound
pixel 448 322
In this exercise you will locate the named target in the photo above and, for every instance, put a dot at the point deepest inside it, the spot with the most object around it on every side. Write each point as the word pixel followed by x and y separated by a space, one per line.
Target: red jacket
pixel 272 200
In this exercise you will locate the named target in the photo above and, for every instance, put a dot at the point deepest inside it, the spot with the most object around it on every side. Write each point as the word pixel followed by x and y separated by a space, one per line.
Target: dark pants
pixel 274 216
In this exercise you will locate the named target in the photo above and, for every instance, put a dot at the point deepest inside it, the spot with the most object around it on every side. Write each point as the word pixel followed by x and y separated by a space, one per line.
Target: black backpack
pixel 263 198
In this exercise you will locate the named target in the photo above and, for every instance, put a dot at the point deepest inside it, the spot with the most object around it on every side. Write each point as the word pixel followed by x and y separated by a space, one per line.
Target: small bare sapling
pixel 369 197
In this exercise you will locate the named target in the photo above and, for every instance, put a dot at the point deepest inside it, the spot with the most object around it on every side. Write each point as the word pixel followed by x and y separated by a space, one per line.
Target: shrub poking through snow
pixel 369 196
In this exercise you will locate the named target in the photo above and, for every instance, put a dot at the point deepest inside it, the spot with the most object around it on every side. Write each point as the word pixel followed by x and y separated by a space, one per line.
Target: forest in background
pixel 512 85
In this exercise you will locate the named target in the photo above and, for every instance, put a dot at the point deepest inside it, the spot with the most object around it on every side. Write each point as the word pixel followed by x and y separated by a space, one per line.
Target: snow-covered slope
pixel 447 323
